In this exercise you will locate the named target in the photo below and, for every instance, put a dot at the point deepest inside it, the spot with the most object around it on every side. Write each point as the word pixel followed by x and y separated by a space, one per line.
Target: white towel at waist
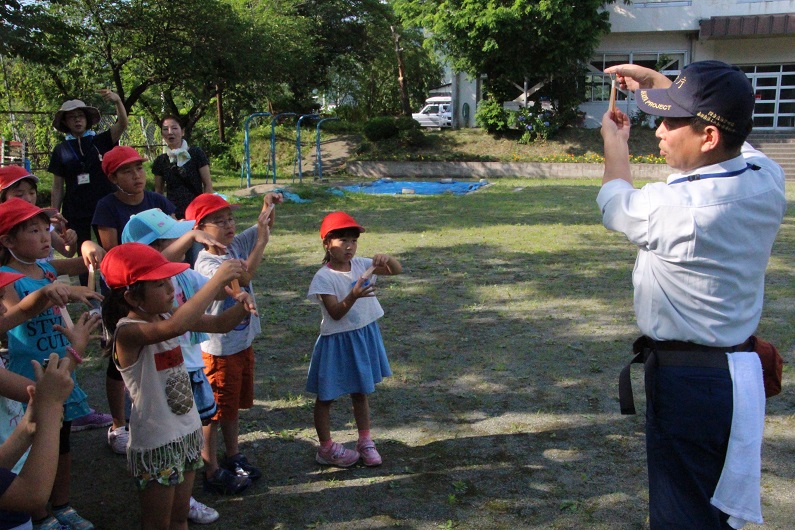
pixel 739 489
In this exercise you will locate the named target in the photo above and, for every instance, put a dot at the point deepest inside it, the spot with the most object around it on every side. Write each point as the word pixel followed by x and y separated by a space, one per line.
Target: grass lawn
pixel 506 334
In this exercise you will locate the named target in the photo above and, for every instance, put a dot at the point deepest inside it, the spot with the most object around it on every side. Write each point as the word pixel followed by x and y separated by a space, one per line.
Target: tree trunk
pixel 404 92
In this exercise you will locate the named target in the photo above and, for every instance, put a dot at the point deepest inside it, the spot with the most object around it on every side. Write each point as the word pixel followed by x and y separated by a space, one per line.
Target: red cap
pixel 338 221
pixel 119 156
pixel 9 277
pixel 15 211
pixel 128 263
pixel 205 204
pixel 12 174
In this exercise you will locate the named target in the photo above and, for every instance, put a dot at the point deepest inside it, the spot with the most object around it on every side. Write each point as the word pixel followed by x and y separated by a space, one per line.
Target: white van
pixel 437 112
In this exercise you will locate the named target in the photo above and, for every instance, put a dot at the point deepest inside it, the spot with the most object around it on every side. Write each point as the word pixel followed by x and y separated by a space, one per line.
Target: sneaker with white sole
pixel 224 482
pixel 69 518
pixel 239 465
pixel 337 455
pixel 201 513
pixel 49 523
pixel 370 456
pixel 92 420
pixel 118 439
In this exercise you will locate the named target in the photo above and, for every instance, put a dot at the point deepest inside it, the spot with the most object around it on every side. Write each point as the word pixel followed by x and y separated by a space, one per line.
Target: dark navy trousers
pixel 688 421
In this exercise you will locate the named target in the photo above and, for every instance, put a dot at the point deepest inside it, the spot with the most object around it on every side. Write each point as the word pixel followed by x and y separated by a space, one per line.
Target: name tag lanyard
pixel 696 176
pixel 81 160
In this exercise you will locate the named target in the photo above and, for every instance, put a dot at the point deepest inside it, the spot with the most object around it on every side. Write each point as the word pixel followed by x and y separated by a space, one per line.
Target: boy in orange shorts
pixel 229 357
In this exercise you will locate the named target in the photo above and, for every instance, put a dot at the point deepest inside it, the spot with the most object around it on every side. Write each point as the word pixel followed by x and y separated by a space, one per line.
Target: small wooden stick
pixel 92 283
pixel 235 287
pixel 67 320
pixel 369 272
pixel 268 211
pixel 612 105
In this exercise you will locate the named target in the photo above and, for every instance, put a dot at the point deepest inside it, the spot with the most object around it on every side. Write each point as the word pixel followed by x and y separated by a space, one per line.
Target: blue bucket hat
pixel 716 92
pixel 153 224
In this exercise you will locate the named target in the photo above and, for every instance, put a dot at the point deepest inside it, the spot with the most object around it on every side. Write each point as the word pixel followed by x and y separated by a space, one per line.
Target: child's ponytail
pixel 115 307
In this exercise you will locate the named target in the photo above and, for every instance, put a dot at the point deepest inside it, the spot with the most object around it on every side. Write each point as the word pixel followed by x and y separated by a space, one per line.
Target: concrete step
pixel 779 146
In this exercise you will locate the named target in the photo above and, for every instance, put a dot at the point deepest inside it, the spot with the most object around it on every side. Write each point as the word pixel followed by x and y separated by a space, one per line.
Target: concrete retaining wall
pixel 378 170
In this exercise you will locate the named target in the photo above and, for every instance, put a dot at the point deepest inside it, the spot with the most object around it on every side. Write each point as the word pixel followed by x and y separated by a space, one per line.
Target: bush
pixel 536 124
pixel 407 123
pixel 349 113
pixel 491 116
pixel 380 128
pixel 412 137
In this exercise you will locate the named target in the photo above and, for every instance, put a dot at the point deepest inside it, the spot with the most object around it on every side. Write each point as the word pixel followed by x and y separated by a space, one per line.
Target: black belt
pixel 671 353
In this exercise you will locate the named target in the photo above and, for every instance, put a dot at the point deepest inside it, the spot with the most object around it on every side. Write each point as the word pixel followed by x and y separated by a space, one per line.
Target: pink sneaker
pixel 92 420
pixel 337 455
pixel 370 456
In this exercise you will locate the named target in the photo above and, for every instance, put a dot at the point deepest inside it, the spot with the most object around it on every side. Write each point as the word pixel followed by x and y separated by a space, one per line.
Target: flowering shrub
pixel 535 124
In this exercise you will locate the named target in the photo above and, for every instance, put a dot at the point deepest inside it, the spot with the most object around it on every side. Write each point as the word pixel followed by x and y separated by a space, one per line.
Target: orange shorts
pixel 232 380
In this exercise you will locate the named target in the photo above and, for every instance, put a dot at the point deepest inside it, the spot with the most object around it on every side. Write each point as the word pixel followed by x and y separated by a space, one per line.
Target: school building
pixel 756 35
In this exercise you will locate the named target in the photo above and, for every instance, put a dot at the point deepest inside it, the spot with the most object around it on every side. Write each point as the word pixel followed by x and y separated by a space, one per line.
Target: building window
pixel 774 90
pixel 597 83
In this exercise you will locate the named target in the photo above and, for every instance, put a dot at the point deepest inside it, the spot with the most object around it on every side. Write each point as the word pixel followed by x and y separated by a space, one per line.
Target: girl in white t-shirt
pixel 349 355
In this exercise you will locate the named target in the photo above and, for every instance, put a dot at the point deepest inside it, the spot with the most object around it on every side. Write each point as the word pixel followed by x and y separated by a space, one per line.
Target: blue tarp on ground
pixel 397 187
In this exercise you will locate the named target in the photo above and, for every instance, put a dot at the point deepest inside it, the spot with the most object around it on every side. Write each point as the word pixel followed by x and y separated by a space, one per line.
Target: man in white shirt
pixel 704 238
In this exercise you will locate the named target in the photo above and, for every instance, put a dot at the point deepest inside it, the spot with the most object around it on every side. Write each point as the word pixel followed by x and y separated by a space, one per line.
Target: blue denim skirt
pixel 347 363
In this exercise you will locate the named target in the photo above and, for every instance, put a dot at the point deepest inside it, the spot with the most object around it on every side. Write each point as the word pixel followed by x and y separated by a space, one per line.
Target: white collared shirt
pixel 703 247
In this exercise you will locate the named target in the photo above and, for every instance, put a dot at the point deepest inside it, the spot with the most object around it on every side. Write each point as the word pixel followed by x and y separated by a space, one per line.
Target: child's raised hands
pixel 80 293
pixel 273 197
pixel 92 254
pixel 243 298
pixel 363 288
pixel 385 264
pixel 53 384
pixel 80 332
pixel 264 222
pixel 69 237
pixel 59 294
pixel 203 238
pixel 229 270
pixel 269 206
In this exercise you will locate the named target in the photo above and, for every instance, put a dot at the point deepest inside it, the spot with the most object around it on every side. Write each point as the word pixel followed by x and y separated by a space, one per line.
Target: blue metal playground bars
pixel 246 169
pixel 319 158
pixel 298 142
pixel 247 161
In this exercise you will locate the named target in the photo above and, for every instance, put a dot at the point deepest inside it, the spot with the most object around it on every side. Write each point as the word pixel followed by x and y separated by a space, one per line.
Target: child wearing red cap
pixel 25 237
pixel 349 356
pixel 165 441
pixel 124 167
pixel 16 181
pixel 172 238
pixel 26 479
pixel 229 357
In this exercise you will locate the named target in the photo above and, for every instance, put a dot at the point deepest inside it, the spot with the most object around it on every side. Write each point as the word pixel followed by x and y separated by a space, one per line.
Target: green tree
pixel 168 56
pixel 373 86
pixel 512 41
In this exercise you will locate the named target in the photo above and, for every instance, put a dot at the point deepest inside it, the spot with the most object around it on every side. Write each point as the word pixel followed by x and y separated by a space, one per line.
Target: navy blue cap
pixel 716 92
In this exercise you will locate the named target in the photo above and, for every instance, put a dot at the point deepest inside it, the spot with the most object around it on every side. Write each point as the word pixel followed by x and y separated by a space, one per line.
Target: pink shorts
pixel 232 380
